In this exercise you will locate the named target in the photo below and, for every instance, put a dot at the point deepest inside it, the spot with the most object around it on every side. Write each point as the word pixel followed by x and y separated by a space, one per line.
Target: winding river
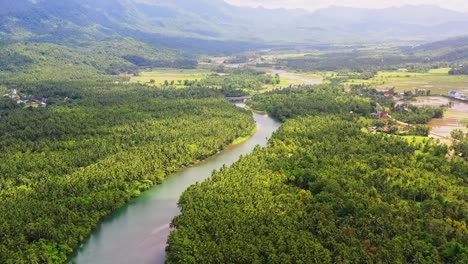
pixel 137 232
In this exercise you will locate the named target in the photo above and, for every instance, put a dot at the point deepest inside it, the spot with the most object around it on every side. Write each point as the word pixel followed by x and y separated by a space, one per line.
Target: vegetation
pixel 66 166
pixel 326 192
pixel 323 191
pixel 239 82
pixel 416 114
pixel 436 81
pixel 174 77
pixel 355 61
pixel 459 70
pixel 434 69
pixel 460 146
pixel 310 100
pixel 43 61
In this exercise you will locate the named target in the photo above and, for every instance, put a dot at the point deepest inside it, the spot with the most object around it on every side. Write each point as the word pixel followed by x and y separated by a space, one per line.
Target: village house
pixel 381 115
pixel 14 96
pixel 456 95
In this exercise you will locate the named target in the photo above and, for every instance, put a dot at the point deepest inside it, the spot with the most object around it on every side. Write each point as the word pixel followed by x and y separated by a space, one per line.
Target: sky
pixel 459 5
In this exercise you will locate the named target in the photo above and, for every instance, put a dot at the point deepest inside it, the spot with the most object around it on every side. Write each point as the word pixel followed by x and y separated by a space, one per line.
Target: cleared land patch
pixel 178 76
pixel 438 81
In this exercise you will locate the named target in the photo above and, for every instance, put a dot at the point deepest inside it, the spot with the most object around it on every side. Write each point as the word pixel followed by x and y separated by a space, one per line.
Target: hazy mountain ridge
pixel 77 21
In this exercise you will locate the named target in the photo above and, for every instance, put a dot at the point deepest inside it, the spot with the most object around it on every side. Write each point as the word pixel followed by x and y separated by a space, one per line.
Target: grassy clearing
pixel 176 75
pixel 464 121
pixel 415 139
pixel 409 139
pixel 284 81
pixel 438 81
pixel 243 139
pixel 288 78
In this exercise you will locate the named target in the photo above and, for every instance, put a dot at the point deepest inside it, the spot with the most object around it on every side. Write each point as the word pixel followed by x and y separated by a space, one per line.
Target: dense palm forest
pixel 78 140
pixel 239 82
pixel 310 100
pixel 324 191
pixel 95 146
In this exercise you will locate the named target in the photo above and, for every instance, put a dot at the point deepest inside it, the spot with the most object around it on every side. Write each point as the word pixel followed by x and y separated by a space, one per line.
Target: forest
pixel 409 113
pixel 420 58
pixel 310 100
pixel 239 82
pixel 95 146
pixel 39 61
pixel 324 191
pixel 460 69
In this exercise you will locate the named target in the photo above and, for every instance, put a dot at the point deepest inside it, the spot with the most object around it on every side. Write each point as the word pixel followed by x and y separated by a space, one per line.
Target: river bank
pixel 137 232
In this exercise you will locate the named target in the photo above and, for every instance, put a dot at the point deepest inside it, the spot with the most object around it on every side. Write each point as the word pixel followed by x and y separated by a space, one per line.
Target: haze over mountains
pixel 187 23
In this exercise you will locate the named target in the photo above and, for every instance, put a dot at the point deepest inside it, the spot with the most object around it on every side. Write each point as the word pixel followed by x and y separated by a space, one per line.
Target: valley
pixel 211 131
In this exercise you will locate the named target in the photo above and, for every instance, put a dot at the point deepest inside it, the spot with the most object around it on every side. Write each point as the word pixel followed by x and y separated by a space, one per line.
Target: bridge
pixel 242 99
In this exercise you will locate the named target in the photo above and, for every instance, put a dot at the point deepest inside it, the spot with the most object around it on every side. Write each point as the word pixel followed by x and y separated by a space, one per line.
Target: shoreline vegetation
pixel 245 138
pixel 102 139
pixel 326 189
pixel 107 143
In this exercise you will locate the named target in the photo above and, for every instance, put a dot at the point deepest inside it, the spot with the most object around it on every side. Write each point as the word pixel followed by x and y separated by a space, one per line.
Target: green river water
pixel 137 232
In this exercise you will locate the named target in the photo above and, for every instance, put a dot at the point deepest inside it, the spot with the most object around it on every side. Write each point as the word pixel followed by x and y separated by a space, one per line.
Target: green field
pixel 296 78
pixel 176 75
pixel 416 139
pixel 438 81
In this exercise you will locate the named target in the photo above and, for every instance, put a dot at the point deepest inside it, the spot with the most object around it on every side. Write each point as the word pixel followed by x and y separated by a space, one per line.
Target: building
pixel 454 94
pixel 381 115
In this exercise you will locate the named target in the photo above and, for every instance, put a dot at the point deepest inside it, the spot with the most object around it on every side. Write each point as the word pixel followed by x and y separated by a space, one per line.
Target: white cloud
pixel 459 5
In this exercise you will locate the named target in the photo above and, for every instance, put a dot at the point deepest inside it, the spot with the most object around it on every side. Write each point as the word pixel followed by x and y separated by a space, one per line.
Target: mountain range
pixel 215 24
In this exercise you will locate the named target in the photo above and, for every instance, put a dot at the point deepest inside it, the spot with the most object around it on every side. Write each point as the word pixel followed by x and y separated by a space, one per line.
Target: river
pixel 137 232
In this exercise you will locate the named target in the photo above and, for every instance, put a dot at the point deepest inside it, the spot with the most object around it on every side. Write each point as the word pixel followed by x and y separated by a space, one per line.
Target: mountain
pixel 450 50
pixel 214 23
pixel 424 23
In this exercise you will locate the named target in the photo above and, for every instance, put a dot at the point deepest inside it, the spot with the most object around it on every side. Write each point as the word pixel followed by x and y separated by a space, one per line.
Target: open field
pixel 438 81
pixel 178 76
pixel 455 117
pixel 409 139
pixel 296 78
pixel 161 75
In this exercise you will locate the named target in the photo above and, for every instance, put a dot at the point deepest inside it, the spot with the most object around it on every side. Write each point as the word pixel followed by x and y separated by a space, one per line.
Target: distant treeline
pixel 459 70
pixel 417 59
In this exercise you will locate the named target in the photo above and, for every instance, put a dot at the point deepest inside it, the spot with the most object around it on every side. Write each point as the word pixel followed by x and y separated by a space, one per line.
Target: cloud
pixel 459 5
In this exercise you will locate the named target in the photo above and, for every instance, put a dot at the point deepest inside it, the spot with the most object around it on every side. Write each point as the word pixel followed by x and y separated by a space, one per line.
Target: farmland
pixel 160 76
pixel 438 81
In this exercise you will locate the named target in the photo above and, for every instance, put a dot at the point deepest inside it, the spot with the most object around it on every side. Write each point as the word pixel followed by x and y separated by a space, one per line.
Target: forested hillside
pixel 96 145
pixel 324 191
pixel 217 25
pixel 44 61
pixel 371 62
